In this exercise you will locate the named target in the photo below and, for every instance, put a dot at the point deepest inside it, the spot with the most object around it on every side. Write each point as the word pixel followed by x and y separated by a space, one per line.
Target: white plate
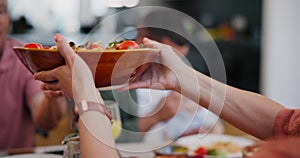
pixel 34 156
pixel 195 141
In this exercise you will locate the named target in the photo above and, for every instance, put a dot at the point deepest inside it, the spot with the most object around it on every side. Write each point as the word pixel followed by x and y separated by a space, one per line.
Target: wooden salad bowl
pixel 109 67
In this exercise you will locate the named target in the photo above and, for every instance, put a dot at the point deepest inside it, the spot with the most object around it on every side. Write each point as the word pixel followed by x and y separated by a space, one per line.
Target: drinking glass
pixel 71 146
pixel 248 151
pixel 115 112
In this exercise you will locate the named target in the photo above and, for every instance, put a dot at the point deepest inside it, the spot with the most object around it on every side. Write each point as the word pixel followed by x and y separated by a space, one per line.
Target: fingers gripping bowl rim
pixel 109 67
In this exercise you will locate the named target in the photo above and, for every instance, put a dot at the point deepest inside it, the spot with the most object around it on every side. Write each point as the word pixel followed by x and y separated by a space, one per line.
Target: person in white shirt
pixel 159 111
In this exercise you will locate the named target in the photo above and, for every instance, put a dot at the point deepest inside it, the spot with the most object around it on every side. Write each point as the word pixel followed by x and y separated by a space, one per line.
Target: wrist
pixel 88 94
pixel 85 106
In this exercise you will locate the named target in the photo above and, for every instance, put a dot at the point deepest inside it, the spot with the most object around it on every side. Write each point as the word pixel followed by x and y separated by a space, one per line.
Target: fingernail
pixel 58 37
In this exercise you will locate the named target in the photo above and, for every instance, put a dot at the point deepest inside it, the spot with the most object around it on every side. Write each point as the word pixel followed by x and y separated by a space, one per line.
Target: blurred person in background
pixel 23 105
pixel 157 108
pixel 145 110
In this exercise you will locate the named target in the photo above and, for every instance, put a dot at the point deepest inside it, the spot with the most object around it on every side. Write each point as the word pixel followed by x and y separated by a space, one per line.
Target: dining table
pixel 126 150
pixel 136 149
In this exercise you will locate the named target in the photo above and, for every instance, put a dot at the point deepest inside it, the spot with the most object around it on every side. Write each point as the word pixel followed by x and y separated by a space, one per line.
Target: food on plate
pixel 172 151
pixel 228 146
pixel 217 149
pixel 201 151
pixel 170 156
pixel 116 45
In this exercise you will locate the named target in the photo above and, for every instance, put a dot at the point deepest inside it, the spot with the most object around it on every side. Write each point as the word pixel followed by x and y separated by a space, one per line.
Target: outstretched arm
pixel 250 112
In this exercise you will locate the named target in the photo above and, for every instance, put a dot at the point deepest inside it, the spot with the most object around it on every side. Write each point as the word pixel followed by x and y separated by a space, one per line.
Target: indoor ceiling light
pixel 122 3
pixel 131 3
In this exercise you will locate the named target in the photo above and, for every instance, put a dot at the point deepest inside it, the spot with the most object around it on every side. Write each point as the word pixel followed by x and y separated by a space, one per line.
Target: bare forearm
pixel 95 136
pixel 250 112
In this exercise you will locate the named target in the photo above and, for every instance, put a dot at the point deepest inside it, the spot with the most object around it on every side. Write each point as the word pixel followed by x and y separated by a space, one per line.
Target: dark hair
pixel 159 24
pixel 159 33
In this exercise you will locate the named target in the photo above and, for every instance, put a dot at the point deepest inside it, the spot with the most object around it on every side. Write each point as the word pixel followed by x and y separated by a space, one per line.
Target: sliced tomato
pixel 128 45
pixel 33 45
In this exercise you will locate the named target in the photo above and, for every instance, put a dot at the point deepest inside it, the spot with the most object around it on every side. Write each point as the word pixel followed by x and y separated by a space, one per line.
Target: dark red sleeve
pixel 287 122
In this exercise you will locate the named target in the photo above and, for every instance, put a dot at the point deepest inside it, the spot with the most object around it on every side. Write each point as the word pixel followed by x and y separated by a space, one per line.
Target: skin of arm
pixel 250 112
pixel 95 133
pixel 96 136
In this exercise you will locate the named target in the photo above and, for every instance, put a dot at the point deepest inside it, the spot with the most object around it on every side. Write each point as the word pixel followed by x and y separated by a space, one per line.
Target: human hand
pixel 165 74
pixel 74 79
pixel 49 94
pixel 282 146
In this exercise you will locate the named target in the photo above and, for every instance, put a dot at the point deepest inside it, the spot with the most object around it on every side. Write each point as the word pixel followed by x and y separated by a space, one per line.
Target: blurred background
pixel 258 39
pixel 235 26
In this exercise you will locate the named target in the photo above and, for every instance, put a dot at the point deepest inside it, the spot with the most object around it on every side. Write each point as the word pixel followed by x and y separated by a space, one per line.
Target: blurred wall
pixel 281 51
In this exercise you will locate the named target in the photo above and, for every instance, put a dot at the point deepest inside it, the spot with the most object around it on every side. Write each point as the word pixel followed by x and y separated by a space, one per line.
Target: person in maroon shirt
pixel 248 111
pixel 23 105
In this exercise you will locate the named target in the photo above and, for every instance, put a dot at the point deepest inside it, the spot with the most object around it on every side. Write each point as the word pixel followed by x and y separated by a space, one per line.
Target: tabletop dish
pixel 172 151
pixel 109 67
pixel 34 156
pixel 193 142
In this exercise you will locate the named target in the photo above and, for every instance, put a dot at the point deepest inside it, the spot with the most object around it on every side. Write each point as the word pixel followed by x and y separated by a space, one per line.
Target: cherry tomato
pixel 33 45
pixel 128 45
pixel 46 47
pixel 201 151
